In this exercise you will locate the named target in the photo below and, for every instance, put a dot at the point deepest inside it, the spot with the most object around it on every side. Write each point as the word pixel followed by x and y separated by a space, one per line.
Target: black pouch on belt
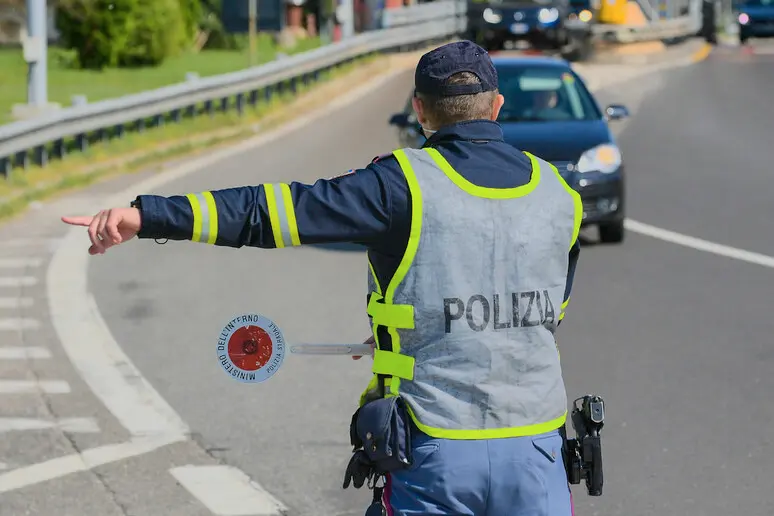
pixel 383 429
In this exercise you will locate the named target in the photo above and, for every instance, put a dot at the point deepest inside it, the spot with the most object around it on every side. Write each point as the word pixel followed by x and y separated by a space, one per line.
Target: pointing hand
pixel 109 227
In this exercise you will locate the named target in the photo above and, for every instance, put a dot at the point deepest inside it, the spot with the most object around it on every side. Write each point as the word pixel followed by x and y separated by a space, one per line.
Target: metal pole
pixel 347 11
pixel 253 29
pixel 37 22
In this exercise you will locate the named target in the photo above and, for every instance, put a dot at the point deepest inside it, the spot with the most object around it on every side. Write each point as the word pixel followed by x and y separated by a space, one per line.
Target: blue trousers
pixel 520 476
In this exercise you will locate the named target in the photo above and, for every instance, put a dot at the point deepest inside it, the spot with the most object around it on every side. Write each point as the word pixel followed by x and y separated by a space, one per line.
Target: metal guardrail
pixel 654 31
pixel 38 139
pixel 427 12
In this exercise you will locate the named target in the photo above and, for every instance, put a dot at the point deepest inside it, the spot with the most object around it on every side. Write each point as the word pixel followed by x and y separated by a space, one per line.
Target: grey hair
pixel 442 111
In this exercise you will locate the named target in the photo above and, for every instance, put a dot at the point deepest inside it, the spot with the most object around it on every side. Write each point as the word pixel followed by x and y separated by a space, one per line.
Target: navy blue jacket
pixel 369 206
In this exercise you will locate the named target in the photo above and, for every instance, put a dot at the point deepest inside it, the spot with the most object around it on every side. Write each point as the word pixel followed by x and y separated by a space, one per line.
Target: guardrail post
pixel 208 107
pixel 23 159
pixel 240 104
pixel 224 104
pixel 5 167
pixel 58 149
pixel 82 142
pixel 41 155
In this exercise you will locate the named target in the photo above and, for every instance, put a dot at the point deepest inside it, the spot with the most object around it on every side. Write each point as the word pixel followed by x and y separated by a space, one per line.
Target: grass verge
pixel 64 81
pixel 141 151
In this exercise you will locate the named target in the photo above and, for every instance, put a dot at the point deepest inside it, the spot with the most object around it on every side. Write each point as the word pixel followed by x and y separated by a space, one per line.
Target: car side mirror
pixel 400 120
pixel 616 112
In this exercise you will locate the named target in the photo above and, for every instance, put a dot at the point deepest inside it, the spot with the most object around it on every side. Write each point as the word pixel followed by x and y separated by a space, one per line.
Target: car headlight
pixel 743 19
pixel 548 15
pixel 604 158
pixel 585 16
pixel 491 16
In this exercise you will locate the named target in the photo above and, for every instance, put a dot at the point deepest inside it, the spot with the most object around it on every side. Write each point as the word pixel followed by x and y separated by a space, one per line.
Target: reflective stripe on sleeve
pixel 282 215
pixel 564 307
pixel 205 217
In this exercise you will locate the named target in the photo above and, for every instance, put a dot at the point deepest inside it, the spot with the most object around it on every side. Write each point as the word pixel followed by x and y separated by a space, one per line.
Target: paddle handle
pixel 332 349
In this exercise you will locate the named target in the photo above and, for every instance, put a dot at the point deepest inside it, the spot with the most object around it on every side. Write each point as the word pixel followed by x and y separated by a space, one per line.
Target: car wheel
pixel 611 233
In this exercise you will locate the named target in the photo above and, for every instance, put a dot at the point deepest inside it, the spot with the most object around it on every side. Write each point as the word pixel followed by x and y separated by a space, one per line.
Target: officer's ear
pixel 419 109
pixel 497 106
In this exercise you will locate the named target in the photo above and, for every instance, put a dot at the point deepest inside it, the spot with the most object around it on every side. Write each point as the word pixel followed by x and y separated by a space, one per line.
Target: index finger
pixel 77 221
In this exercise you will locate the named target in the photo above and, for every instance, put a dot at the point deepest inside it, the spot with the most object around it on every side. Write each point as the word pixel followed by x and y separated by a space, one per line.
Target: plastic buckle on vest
pixel 393 364
pixel 390 315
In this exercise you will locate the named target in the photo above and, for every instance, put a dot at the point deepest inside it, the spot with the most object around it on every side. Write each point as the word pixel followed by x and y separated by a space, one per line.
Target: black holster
pixel 380 433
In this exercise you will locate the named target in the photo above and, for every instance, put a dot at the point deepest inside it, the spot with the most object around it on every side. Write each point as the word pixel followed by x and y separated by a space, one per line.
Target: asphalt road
pixel 678 341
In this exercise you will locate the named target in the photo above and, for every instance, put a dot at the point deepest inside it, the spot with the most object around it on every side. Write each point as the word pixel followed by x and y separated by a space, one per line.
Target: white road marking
pixel 80 425
pixel 226 491
pixel 16 302
pixel 18 281
pixel 29 242
pixel 699 244
pixel 18 323
pixel 34 387
pixel 23 353
pixel 19 263
pixel 92 349
pixel 86 460
pixel 96 355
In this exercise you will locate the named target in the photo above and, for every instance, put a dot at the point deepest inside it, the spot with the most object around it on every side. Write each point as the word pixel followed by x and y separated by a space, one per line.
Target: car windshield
pixel 543 94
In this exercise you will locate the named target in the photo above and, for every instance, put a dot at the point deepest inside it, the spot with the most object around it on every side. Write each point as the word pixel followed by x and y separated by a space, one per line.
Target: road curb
pixel 670 53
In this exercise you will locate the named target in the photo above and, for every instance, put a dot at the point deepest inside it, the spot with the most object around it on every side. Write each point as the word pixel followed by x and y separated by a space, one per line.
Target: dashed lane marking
pixel 18 281
pixel 18 324
pixel 73 425
pixel 23 353
pixel 226 491
pixel 19 263
pixel 16 302
pixel 34 387
pixel 30 242
pixel 698 243
pixel 83 461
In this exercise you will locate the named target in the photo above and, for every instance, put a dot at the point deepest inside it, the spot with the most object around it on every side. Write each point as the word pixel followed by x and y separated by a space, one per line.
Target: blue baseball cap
pixel 436 66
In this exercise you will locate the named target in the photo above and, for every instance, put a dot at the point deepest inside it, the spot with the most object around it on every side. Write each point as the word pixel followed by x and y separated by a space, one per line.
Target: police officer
pixel 472 246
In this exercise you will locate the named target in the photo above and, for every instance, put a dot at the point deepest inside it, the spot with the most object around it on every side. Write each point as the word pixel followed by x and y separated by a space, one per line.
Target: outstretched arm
pixel 354 207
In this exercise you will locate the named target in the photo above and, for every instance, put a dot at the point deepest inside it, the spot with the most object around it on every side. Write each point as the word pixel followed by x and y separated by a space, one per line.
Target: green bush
pixel 63 58
pixel 96 29
pixel 125 33
pixel 193 14
pixel 157 31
